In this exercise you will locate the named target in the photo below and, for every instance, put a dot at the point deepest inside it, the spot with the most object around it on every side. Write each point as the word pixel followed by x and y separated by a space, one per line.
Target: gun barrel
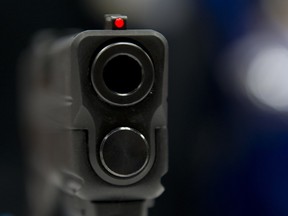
pixel 122 74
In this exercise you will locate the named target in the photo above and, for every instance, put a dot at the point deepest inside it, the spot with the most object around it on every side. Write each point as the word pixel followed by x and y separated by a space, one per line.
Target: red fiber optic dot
pixel 119 23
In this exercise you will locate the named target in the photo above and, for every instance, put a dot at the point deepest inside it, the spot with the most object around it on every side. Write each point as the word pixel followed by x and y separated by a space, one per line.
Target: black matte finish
pixel 102 163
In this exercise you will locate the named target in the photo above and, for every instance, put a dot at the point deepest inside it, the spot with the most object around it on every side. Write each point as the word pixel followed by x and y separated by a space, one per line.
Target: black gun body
pixel 114 139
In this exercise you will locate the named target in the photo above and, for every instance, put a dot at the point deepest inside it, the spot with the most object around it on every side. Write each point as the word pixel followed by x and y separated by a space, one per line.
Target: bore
pixel 122 74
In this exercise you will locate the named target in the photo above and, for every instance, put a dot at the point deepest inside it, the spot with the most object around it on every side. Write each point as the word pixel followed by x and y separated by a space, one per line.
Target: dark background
pixel 226 158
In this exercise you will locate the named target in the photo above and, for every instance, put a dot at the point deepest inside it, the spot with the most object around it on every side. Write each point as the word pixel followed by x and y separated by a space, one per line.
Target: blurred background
pixel 228 98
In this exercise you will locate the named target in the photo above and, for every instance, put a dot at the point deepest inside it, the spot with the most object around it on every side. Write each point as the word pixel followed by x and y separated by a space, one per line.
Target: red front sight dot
pixel 115 22
pixel 119 23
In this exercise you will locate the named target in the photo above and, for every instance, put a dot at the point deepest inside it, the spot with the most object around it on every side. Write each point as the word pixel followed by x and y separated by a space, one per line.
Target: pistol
pixel 95 113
